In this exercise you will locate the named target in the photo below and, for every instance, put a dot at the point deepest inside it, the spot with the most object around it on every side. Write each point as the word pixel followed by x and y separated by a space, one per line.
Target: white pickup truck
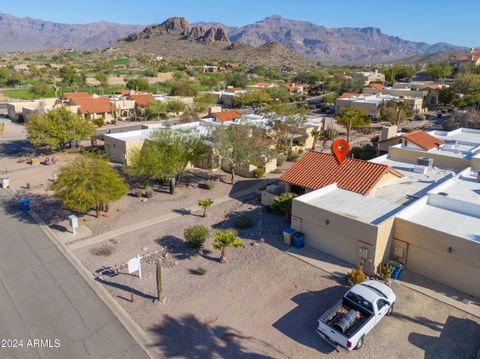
pixel 347 323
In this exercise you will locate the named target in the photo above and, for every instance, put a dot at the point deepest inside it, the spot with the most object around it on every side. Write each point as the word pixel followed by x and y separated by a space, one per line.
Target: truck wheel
pixel 359 343
pixel 390 310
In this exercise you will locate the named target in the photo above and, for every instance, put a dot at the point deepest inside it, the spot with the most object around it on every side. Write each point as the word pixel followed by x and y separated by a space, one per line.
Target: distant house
pixel 371 76
pixel 472 57
pixel 142 100
pixel 92 108
pixel 262 85
pixel 226 116
pixel 294 88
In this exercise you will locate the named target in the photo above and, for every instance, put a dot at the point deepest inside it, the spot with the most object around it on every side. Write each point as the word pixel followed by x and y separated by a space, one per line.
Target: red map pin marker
pixel 340 149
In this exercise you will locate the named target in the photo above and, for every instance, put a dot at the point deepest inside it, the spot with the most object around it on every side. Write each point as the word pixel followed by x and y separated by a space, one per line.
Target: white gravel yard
pixel 263 303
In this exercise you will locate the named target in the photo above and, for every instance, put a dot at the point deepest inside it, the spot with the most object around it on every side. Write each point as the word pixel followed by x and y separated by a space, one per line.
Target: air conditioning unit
pixel 420 169
pixel 425 161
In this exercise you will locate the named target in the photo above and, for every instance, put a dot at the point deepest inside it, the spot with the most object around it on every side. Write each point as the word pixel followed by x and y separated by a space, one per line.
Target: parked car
pixel 348 322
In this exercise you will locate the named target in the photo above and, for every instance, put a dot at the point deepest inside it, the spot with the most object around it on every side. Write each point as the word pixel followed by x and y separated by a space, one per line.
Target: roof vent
pixel 445 194
pixel 425 161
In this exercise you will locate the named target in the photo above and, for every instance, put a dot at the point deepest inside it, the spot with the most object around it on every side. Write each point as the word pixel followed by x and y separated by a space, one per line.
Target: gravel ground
pixel 263 302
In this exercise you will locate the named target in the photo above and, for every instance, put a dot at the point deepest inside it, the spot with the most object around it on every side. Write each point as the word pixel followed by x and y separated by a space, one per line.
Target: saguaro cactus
pixel 159 281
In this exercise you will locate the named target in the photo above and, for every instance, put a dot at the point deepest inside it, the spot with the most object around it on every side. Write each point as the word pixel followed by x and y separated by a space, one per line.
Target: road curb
pixel 121 314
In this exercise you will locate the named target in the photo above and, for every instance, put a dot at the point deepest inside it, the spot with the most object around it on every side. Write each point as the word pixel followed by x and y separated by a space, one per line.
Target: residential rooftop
pixel 389 196
pixel 453 207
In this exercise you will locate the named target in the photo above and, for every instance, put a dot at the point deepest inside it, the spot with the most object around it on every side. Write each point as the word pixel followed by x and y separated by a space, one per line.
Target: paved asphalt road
pixel 42 297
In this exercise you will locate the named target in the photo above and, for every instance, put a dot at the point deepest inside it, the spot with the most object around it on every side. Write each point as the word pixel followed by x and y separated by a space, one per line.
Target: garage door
pixel 443 269
pixel 331 242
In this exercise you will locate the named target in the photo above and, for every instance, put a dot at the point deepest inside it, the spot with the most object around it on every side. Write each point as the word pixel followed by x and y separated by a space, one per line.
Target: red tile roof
pixel 93 105
pixel 377 86
pixel 226 116
pixel 423 140
pixel 316 170
pixel 73 95
pixel 143 100
pixel 349 94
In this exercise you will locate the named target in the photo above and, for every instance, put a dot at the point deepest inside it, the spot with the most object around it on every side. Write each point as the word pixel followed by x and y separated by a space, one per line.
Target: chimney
pixel 388 132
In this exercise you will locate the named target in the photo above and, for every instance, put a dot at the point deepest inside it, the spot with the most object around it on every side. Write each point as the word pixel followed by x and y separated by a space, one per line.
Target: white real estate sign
pixel 135 266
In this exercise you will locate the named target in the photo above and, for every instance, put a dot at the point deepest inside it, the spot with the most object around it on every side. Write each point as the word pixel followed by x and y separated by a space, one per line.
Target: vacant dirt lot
pixel 263 302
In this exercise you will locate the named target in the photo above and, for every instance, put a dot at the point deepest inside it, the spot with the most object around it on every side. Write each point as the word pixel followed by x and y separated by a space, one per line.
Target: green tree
pixel 316 133
pixel 69 75
pixel 175 106
pixel 89 182
pixel 138 84
pixel 283 203
pixel 446 96
pixel 467 83
pixel 58 129
pixel 165 155
pixel 240 145
pixel 252 98
pixel 183 88
pixel 236 79
pixel 225 239
pixel 41 89
pixel 311 77
pixel 330 98
pixel 156 109
pixel 278 94
pixel 351 118
pixel 439 70
pixel 283 121
pixel 395 112
pixel 205 204
pixel 102 78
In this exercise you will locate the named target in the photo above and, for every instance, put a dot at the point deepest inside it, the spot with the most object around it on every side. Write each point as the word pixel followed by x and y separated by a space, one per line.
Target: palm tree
pixel 315 134
pixel 223 240
pixel 205 203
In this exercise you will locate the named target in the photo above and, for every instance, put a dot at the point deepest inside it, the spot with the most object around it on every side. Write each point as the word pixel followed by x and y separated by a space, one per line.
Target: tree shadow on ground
pixel 126 288
pixel 299 324
pixel 185 212
pixel 459 338
pixel 431 324
pixel 180 249
pixel 188 337
pixel 18 148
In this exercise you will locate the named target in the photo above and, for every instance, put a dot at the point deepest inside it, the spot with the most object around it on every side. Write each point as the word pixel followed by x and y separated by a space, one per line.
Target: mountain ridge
pixel 342 45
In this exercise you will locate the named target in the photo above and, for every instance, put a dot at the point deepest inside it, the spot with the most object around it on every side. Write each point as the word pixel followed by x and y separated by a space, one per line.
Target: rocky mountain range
pixel 27 34
pixel 316 43
pixel 175 38
pixel 331 45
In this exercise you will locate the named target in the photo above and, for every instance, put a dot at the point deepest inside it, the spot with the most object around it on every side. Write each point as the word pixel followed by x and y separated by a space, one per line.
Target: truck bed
pixel 339 309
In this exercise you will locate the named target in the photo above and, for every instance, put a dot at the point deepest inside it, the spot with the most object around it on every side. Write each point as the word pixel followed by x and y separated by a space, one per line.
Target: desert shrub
pixel 100 122
pixel 199 271
pixel 104 250
pixel 283 203
pixel 196 236
pixel 420 117
pixel 149 192
pixel 281 158
pixel 385 271
pixel 138 193
pixel 407 129
pixel 330 133
pixel 367 130
pixel 449 125
pixel 356 276
pixel 210 184
pixel 293 156
pixel 243 222
pixel 258 172
pixel 365 152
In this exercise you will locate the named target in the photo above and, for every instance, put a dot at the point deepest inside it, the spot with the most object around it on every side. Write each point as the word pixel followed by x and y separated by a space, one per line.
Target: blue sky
pixel 431 21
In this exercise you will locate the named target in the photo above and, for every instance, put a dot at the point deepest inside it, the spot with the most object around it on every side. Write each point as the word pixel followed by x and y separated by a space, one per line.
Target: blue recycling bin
pixel 24 204
pixel 298 239
pixel 397 269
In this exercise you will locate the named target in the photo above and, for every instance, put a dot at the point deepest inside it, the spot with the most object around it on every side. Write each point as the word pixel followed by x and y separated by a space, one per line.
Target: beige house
pixel 370 212
pixel 371 76
pixel 15 108
pixel 370 104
